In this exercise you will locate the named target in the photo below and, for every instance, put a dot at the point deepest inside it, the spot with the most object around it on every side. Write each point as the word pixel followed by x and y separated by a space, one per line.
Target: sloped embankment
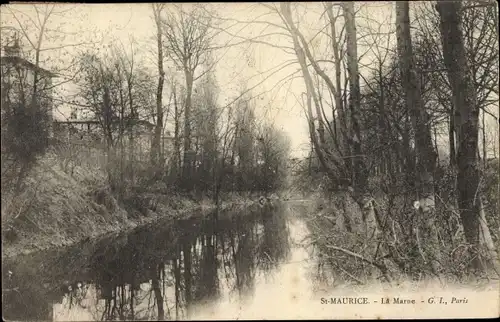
pixel 58 209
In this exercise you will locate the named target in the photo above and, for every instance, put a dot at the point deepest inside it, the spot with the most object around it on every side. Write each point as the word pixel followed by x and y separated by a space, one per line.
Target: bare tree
pixel 156 151
pixel 318 142
pixel 360 171
pixel 187 41
pixel 466 107
pixel 339 113
pixel 426 155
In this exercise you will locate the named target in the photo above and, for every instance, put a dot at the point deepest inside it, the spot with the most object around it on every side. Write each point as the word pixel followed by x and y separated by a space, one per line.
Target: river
pixel 245 264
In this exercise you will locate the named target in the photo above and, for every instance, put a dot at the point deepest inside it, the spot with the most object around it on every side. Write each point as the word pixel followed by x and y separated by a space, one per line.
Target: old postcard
pixel 207 161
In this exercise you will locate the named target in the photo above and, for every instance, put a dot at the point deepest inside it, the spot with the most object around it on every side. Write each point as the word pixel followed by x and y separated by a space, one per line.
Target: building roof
pixel 21 61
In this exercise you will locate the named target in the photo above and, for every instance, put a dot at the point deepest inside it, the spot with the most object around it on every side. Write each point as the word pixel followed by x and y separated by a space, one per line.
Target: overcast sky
pixel 245 63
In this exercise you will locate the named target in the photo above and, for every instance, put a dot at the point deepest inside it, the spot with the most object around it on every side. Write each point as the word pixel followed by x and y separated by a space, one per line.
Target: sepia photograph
pixel 236 161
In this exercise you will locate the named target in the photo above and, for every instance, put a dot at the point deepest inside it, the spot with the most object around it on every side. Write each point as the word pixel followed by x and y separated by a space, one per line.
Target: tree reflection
pixel 275 246
pixel 243 251
pixel 208 280
pixel 163 272
pixel 155 284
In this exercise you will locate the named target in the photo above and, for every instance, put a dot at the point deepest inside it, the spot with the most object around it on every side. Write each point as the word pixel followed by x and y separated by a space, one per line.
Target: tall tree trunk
pixel 121 130
pixel 156 151
pixel 467 110
pixel 425 154
pixel 176 167
pixel 108 128
pixel 340 122
pixel 360 171
pixel 132 126
pixel 187 160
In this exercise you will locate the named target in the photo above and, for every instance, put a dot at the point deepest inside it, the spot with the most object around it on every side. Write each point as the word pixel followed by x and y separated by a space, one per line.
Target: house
pixel 18 80
pixel 89 131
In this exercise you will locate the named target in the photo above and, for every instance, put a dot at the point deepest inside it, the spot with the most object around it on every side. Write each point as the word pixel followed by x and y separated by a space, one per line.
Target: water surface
pixel 223 265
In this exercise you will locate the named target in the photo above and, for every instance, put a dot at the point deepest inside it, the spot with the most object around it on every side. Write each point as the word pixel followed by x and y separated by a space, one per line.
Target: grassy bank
pixel 57 208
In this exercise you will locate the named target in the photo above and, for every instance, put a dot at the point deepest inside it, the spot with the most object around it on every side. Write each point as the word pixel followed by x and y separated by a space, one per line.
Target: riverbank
pixel 378 241
pixel 58 209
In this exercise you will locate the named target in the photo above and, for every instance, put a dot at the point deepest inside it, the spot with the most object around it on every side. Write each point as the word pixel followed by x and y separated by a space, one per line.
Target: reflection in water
pixel 160 272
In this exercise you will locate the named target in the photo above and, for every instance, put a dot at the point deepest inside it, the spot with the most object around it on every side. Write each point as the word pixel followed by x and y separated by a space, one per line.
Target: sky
pixel 278 95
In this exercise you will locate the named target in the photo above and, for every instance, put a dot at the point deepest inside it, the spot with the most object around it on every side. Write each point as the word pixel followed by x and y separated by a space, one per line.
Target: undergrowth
pixel 347 255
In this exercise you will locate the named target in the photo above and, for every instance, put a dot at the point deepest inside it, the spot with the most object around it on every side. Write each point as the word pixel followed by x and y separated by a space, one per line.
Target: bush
pixel 25 132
